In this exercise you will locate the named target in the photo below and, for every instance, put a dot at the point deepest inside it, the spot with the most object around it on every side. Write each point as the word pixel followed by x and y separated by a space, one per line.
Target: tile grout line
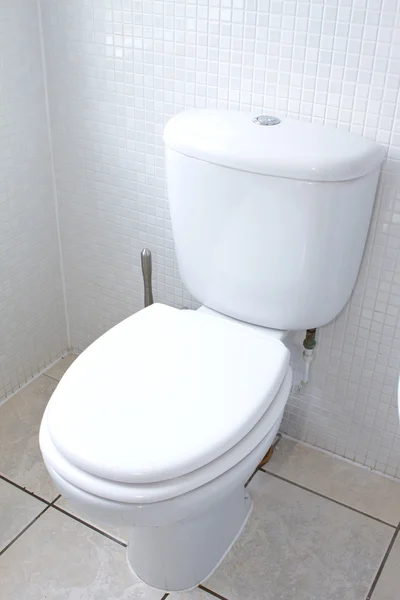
pixel 215 594
pixel 341 458
pixel 93 527
pixel 383 563
pixel 24 529
pixel 49 505
pixel 50 377
pixel 124 545
pixel 32 494
pixel 110 537
pixel 251 477
pixel 302 487
pixel 35 377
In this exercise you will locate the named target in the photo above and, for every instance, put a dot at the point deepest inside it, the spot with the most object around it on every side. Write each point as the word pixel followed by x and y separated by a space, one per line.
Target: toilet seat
pixel 117 417
pixel 164 490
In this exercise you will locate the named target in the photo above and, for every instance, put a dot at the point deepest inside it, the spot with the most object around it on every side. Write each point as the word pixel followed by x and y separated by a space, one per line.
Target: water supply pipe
pixel 308 353
pixel 147 274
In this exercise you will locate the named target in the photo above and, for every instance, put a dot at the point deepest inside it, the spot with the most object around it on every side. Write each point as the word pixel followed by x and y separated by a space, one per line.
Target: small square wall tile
pixel 20 457
pixel 58 370
pixel 350 484
pixel 300 545
pixel 17 510
pixel 32 322
pixel 59 559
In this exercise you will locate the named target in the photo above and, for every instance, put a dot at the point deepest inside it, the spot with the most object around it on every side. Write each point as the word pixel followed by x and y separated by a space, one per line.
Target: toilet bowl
pixel 184 497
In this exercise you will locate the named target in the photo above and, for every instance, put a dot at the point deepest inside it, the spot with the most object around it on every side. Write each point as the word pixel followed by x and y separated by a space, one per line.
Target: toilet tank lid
pixel 291 148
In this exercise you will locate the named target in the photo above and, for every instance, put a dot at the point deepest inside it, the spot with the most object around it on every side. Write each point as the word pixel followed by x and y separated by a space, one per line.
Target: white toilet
pixel 161 421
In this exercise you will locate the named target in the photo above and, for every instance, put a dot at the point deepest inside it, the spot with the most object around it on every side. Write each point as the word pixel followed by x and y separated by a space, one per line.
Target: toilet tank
pixel 269 221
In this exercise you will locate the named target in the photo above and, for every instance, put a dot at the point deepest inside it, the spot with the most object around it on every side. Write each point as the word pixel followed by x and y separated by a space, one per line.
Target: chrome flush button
pixel 266 120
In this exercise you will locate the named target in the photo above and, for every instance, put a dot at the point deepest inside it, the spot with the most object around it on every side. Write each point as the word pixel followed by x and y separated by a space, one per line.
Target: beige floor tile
pixel 120 533
pixel 58 370
pixel 337 479
pixel 195 594
pixel 17 510
pixel 57 558
pixel 299 546
pixel 20 456
pixel 388 587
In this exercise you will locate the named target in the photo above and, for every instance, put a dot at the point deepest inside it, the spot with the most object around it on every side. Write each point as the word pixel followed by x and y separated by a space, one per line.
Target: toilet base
pixel 181 556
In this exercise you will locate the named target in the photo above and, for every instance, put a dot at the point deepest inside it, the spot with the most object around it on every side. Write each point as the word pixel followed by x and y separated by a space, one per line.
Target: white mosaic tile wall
pixel 32 321
pixel 118 69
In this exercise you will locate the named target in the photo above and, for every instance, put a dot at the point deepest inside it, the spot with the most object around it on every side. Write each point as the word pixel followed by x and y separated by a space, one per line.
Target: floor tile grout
pixel 50 377
pixel 382 565
pixel 302 487
pixel 103 533
pixel 52 504
pixel 24 529
pixel 107 535
pixel 251 477
pixel 32 494
pixel 215 594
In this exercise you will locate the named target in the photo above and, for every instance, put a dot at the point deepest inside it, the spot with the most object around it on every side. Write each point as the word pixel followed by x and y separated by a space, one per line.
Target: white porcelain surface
pixel 276 252
pixel 292 148
pixel 176 543
pixel 278 334
pixel 211 389
pixel 299 546
pixel 20 456
pixel 183 555
pixel 17 510
pixel 61 559
pixel 356 487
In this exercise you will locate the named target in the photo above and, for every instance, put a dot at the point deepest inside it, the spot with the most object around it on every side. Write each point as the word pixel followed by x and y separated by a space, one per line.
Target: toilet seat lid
pixel 163 393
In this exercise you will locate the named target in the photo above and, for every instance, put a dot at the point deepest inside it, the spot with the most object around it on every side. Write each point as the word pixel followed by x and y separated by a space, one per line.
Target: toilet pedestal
pixel 181 556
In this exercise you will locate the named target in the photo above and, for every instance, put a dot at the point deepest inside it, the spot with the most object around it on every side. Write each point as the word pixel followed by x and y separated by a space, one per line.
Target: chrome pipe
pixel 147 274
